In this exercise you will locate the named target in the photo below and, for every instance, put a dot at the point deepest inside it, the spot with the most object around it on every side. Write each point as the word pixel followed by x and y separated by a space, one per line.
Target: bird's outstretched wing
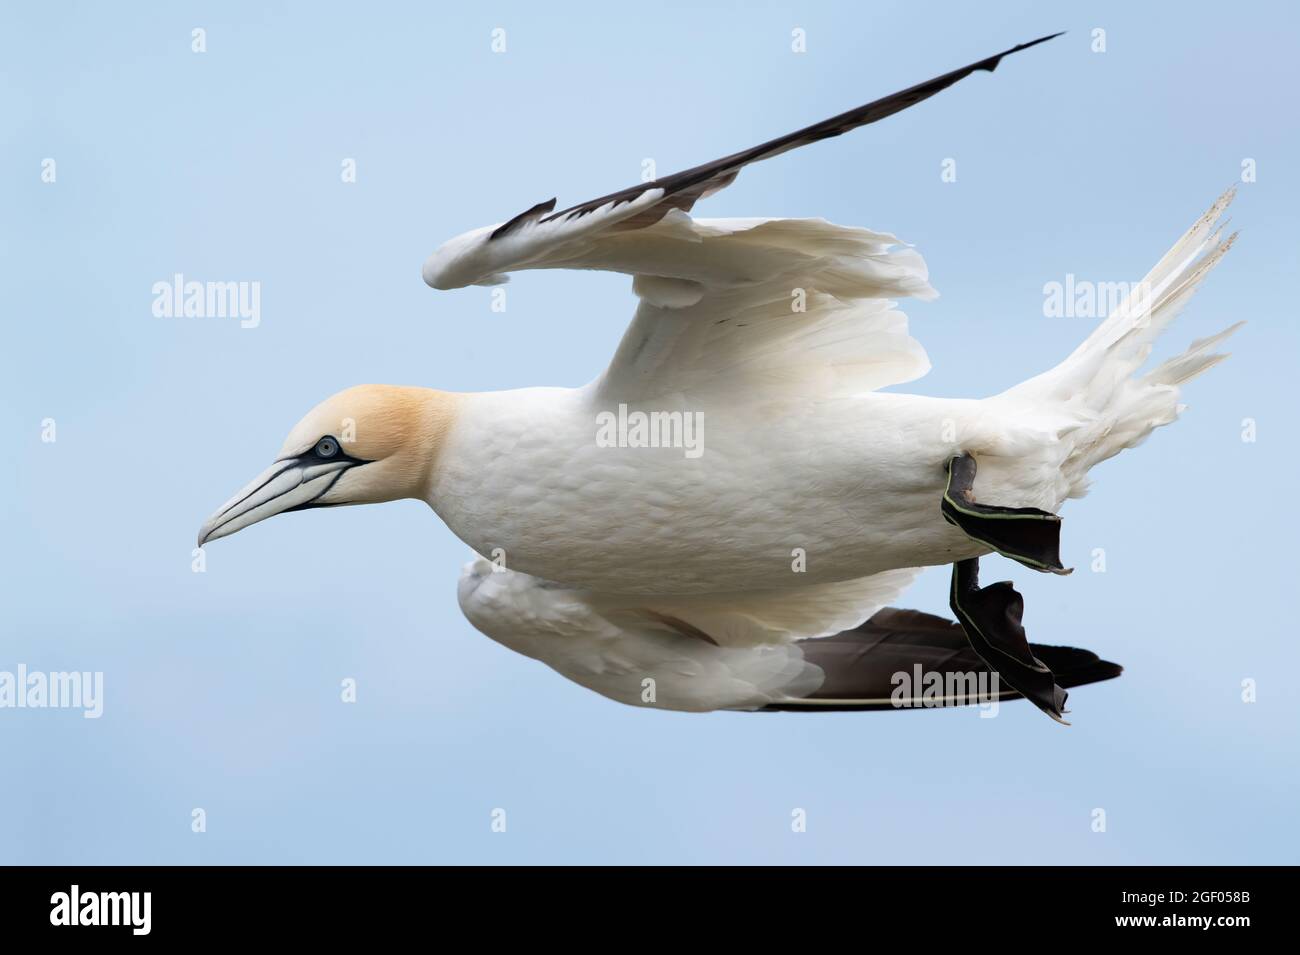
pixel 763 301
pixel 682 189
pixel 705 652
pixel 802 649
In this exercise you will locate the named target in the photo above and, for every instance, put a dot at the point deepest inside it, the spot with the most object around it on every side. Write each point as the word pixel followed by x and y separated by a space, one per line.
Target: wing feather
pixel 683 189
pixel 727 651
pixel 795 305
pixel 539 238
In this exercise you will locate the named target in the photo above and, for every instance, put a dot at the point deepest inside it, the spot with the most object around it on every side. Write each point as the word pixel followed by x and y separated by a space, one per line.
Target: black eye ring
pixel 326 447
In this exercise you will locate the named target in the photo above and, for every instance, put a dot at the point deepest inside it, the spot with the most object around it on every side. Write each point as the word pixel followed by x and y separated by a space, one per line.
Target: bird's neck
pixel 433 422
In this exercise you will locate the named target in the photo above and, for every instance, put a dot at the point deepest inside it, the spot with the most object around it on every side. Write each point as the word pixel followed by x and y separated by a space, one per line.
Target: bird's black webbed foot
pixel 991 617
pixel 1025 534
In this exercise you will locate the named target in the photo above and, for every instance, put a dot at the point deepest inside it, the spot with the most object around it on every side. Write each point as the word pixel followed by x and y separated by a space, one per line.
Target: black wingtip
pixel 1075 667
pixel 1041 39
pixel 992 62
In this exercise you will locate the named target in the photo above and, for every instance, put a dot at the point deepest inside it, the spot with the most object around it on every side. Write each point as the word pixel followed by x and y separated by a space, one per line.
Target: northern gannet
pixel 702 574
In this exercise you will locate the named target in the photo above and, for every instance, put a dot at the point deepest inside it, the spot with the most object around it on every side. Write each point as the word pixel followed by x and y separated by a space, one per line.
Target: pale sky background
pixel 222 688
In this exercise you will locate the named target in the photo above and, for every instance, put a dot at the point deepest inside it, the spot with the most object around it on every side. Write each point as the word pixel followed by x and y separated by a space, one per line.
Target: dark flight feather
pixel 860 664
pixel 683 189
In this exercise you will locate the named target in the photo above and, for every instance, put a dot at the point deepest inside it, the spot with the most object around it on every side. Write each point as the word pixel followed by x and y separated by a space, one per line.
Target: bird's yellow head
pixel 365 445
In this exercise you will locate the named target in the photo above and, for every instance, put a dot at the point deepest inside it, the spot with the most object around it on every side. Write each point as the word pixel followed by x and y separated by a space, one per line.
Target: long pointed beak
pixel 288 484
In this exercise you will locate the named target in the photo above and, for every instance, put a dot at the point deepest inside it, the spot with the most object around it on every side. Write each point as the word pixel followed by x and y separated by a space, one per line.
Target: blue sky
pixel 222 688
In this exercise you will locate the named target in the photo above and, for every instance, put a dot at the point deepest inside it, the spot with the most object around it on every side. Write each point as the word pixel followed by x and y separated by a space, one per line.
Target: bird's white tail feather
pixel 1094 400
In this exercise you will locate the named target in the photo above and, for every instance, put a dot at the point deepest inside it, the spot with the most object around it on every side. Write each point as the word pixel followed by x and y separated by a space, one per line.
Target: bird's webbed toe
pixel 1027 535
pixel 991 617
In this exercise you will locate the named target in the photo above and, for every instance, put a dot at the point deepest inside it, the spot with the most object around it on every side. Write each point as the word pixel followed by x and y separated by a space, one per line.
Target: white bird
pixel 685 530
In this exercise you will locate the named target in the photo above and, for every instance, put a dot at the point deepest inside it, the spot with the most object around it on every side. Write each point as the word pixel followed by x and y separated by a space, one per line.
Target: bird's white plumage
pixel 1095 404
pixel 765 306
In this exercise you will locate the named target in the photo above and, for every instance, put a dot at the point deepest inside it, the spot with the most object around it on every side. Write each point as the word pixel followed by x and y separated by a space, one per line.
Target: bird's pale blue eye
pixel 326 448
